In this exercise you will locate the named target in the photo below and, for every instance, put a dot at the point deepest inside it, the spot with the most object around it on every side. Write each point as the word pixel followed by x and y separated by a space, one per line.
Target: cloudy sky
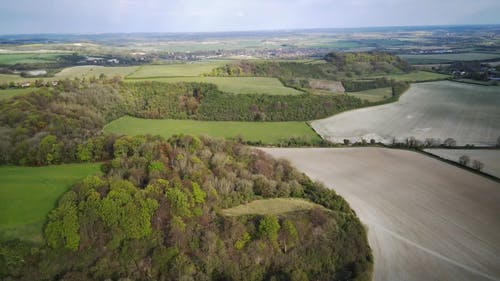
pixel 102 16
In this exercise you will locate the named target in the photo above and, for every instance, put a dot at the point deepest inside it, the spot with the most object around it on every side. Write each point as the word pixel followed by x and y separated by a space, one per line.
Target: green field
pixel 417 76
pixel 94 70
pixel 444 58
pixel 27 194
pixel 176 70
pixel 373 95
pixel 27 58
pixel 275 206
pixel 8 93
pixel 267 132
pixel 237 85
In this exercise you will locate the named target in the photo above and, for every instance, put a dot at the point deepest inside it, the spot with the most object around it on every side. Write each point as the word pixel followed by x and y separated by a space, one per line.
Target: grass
pixel 373 95
pixel 267 132
pixel 275 206
pixel 176 70
pixel 238 85
pixel 8 93
pixel 417 76
pixel 443 58
pixel 27 194
pixel 93 70
pixel 27 58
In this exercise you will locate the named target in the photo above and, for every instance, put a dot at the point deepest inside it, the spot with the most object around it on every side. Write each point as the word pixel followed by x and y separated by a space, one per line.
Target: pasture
pixel 490 158
pixel 468 113
pixel 94 71
pixel 445 58
pixel 426 220
pixel 266 132
pixel 27 58
pixel 176 69
pixel 27 194
pixel 8 93
pixel 373 95
pixel 237 85
pixel 418 76
pixel 274 206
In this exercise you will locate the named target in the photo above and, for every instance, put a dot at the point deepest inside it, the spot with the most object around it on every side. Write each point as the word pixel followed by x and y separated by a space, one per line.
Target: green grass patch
pixel 373 95
pixel 266 132
pixel 444 58
pixel 8 93
pixel 96 71
pixel 177 69
pixel 237 85
pixel 417 76
pixel 27 194
pixel 274 206
pixel 27 58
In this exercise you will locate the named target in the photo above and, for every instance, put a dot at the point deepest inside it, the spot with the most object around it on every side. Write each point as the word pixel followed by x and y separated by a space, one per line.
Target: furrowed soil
pixel 426 220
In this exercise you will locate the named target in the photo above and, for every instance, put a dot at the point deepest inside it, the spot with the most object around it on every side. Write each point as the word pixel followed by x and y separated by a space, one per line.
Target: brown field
pixel 426 220
pixel 489 157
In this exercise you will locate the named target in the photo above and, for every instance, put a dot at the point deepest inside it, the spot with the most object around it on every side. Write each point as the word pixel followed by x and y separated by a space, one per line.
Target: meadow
pixel 444 58
pixel 95 70
pixel 27 194
pixel 468 113
pixel 374 95
pixel 176 69
pixel 266 132
pixel 274 206
pixel 27 58
pixel 417 76
pixel 8 93
pixel 237 85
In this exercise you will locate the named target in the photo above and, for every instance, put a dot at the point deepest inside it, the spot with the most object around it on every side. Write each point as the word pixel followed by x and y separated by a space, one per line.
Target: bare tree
pixel 464 160
pixel 449 142
pixel 478 165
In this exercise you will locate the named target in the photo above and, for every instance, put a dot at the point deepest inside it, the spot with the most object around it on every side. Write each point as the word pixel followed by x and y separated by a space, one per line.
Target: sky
pixel 109 16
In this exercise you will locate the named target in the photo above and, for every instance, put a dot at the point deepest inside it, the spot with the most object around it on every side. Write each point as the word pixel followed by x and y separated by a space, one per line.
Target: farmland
pixel 444 58
pixel 176 70
pixel 266 132
pixel 467 113
pixel 94 70
pixel 490 158
pixel 426 220
pixel 417 76
pixel 27 58
pixel 27 194
pixel 237 85
pixel 275 206
pixel 8 93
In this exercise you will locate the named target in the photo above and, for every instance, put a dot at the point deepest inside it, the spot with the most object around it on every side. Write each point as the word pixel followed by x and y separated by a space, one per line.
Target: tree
pixel 449 142
pixel 464 160
pixel 478 165
pixel 269 227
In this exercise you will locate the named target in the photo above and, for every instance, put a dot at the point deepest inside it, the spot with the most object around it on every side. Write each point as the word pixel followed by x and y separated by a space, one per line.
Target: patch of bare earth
pixel 426 220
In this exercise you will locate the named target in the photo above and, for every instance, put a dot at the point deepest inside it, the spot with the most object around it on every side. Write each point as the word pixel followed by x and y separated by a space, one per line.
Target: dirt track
pixel 426 220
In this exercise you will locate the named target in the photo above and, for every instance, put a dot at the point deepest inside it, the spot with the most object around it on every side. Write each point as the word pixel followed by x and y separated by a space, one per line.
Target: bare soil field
pixel 468 113
pixel 490 158
pixel 426 220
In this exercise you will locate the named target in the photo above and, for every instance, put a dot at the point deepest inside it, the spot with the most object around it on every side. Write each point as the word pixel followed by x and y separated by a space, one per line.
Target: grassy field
pixel 8 93
pixel 468 113
pixel 237 85
pixel 373 95
pixel 176 70
pixel 421 214
pixel 27 58
pixel 274 206
pixel 267 132
pixel 94 70
pixel 417 76
pixel 444 58
pixel 27 194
